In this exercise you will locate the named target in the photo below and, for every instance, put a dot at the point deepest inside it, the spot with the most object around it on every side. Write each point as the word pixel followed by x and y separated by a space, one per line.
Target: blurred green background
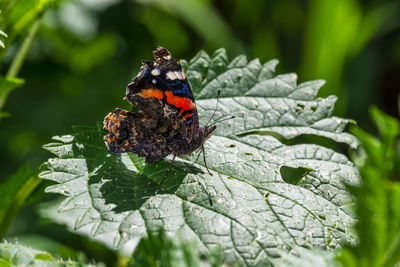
pixel 87 51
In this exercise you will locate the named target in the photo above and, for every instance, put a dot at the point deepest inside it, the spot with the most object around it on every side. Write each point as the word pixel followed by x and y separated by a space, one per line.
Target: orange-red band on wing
pixel 180 102
pixel 151 92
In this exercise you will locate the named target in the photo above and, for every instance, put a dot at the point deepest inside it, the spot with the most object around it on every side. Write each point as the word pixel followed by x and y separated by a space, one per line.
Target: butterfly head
pixel 207 131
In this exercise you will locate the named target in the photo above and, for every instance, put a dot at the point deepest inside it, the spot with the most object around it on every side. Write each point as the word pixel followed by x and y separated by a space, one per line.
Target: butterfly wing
pixel 168 121
pixel 131 132
pixel 164 80
pixel 150 135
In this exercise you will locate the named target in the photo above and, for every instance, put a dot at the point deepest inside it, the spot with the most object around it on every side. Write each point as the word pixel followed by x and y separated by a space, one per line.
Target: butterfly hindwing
pixel 150 135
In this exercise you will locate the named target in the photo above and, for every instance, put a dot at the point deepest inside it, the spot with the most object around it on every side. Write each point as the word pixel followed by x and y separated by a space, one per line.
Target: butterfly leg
pixel 205 162
pixel 165 176
pixel 198 156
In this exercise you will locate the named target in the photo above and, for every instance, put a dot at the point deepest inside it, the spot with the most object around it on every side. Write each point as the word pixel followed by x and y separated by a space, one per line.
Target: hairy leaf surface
pixel 18 255
pixel 269 192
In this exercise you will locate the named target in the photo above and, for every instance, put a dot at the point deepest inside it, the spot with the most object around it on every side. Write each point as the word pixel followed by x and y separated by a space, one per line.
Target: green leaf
pixel 26 12
pixel 10 188
pixel 161 250
pixel 7 85
pixel 201 17
pixel 5 35
pixel 4 115
pixel 246 206
pixel 17 255
pixel 80 56
pixel 378 197
pixel 300 256
pixel 14 193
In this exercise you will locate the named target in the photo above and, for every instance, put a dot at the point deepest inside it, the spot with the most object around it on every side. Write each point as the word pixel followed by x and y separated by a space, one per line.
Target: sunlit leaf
pixel 300 256
pixel 17 255
pixel 246 207
pixel 2 34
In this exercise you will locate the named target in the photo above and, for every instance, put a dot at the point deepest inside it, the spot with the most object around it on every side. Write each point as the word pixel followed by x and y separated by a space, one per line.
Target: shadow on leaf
pixel 124 179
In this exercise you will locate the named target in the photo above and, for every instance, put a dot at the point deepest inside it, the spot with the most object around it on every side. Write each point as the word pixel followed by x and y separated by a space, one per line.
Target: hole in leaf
pixel 300 107
pixel 248 153
pixel 313 109
pixel 232 145
pixel 293 175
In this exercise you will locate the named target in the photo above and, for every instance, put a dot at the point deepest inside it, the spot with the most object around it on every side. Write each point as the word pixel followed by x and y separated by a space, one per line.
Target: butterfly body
pixel 168 121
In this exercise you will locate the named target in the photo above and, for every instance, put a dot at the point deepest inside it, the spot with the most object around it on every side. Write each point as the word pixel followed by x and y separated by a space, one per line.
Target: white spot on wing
pixel 155 72
pixel 178 74
pixel 171 75
pixel 154 81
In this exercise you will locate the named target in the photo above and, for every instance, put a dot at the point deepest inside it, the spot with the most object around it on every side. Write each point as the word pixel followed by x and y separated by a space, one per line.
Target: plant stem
pixel 391 256
pixel 23 193
pixel 20 57
pixel 26 190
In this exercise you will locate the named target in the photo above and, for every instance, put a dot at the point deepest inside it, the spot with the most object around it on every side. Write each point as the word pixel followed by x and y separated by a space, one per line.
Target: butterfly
pixel 168 122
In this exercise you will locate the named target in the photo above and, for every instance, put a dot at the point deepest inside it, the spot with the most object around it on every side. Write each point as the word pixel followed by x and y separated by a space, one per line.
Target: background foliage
pixel 81 54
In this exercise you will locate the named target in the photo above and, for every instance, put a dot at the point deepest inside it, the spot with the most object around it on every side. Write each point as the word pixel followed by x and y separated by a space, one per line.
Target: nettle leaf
pixel 159 249
pixel 300 256
pixel 18 255
pixel 264 197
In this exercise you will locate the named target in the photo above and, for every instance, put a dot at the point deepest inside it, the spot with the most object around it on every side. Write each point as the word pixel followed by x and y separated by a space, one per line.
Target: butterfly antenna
pixel 216 108
pixel 224 119
pixel 166 174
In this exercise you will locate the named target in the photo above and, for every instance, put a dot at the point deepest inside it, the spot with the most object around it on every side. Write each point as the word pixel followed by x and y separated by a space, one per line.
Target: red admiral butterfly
pixel 168 122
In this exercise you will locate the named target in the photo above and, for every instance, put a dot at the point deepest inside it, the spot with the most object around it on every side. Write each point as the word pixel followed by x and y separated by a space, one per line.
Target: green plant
pixel 161 250
pixel 18 24
pixel 378 197
pixel 266 196
pixel 279 194
pixel 20 185
pixel 18 255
